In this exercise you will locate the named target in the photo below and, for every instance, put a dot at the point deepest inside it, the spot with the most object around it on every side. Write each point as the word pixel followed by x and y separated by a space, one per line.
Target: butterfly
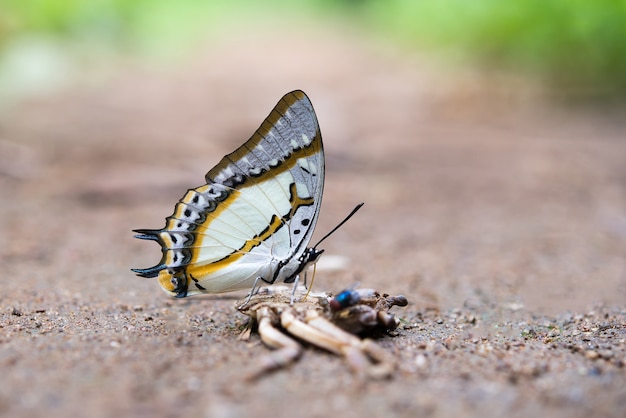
pixel 251 222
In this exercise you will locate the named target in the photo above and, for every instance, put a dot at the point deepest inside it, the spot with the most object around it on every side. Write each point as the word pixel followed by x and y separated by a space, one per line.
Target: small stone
pixel 484 349
pixel 451 343
pixel 605 354
pixel 420 361
pixel 592 354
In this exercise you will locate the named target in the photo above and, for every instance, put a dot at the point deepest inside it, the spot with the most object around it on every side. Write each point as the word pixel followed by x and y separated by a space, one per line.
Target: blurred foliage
pixel 124 24
pixel 578 44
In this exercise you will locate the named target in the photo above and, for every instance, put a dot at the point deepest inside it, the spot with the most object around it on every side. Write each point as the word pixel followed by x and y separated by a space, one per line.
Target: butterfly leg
pixel 255 289
pixel 295 286
pixel 305 279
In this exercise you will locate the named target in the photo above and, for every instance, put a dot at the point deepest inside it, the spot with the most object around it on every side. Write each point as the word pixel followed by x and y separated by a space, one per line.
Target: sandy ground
pixel 500 218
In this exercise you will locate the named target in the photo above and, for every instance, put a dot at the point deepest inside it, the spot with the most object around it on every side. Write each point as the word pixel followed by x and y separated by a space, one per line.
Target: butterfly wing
pixel 255 214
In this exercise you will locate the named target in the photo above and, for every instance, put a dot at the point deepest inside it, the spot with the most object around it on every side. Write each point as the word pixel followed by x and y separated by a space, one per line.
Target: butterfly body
pixel 252 220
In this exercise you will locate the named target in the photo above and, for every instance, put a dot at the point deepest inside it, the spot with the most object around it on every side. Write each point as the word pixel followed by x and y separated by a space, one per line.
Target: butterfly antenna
pixel 359 206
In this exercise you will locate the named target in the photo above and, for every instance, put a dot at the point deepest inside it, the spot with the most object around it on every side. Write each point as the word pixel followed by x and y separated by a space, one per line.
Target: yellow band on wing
pixel 207 269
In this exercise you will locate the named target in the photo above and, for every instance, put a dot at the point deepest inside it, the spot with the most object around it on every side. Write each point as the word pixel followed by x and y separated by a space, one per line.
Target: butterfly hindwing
pixel 256 213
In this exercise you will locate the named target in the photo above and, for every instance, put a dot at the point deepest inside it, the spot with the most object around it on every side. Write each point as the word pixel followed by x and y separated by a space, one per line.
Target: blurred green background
pixel 575 47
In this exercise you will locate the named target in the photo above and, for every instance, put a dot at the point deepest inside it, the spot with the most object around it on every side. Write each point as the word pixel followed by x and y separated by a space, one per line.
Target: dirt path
pixel 502 221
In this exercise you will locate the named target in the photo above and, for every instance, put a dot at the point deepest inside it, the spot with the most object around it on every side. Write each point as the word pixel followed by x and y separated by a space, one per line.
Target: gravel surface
pixel 500 218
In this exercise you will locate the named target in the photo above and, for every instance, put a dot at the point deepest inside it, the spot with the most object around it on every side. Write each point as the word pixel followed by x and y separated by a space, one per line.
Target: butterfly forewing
pixel 256 213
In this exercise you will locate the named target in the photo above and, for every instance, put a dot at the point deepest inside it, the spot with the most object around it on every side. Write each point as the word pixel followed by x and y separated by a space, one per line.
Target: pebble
pixel 451 342
pixel 605 354
pixel 420 361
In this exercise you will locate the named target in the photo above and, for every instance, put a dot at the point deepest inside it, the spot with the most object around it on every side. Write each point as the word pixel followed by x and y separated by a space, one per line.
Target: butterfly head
pixel 174 282
pixel 310 256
